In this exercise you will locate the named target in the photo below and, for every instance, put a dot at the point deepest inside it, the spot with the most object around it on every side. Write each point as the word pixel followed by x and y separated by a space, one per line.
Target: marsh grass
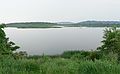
pixel 48 65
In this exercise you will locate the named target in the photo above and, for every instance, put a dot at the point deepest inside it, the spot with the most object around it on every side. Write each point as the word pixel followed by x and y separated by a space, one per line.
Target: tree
pixel 111 42
pixel 6 46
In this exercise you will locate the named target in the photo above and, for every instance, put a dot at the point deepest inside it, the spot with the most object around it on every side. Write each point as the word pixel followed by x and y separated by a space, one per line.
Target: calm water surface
pixel 55 40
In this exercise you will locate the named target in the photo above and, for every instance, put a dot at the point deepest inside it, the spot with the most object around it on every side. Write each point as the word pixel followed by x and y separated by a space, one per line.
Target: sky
pixel 58 10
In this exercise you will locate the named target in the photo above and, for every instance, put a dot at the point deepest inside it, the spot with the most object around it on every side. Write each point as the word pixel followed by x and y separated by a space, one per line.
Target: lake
pixel 51 41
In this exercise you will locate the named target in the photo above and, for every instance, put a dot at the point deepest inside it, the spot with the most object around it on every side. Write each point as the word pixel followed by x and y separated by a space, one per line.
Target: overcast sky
pixel 58 10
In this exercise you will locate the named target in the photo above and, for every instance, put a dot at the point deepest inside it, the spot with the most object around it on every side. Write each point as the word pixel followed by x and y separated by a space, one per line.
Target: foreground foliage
pixel 48 65
pixel 111 42
pixel 6 46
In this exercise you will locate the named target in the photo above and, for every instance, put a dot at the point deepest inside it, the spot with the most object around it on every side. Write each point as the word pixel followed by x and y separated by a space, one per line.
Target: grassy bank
pixel 70 62
pixel 47 65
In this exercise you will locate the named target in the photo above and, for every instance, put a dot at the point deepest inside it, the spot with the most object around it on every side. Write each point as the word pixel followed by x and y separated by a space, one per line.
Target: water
pixel 55 40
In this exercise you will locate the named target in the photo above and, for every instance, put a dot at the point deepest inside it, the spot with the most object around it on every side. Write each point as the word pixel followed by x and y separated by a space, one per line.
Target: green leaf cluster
pixel 6 46
pixel 111 42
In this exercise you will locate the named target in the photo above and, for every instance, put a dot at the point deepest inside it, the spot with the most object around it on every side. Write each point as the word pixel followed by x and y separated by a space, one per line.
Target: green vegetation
pixel 6 46
pixel 111 42
pixel 99 23
pixel 48 65
pixel 105 60
pixel 65 24
pixel 33 25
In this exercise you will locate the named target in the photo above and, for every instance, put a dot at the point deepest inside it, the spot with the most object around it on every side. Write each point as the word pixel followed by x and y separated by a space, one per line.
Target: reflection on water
pixel 55 40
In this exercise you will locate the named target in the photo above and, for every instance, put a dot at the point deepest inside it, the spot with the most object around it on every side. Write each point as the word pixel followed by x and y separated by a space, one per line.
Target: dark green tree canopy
pixel 6 46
